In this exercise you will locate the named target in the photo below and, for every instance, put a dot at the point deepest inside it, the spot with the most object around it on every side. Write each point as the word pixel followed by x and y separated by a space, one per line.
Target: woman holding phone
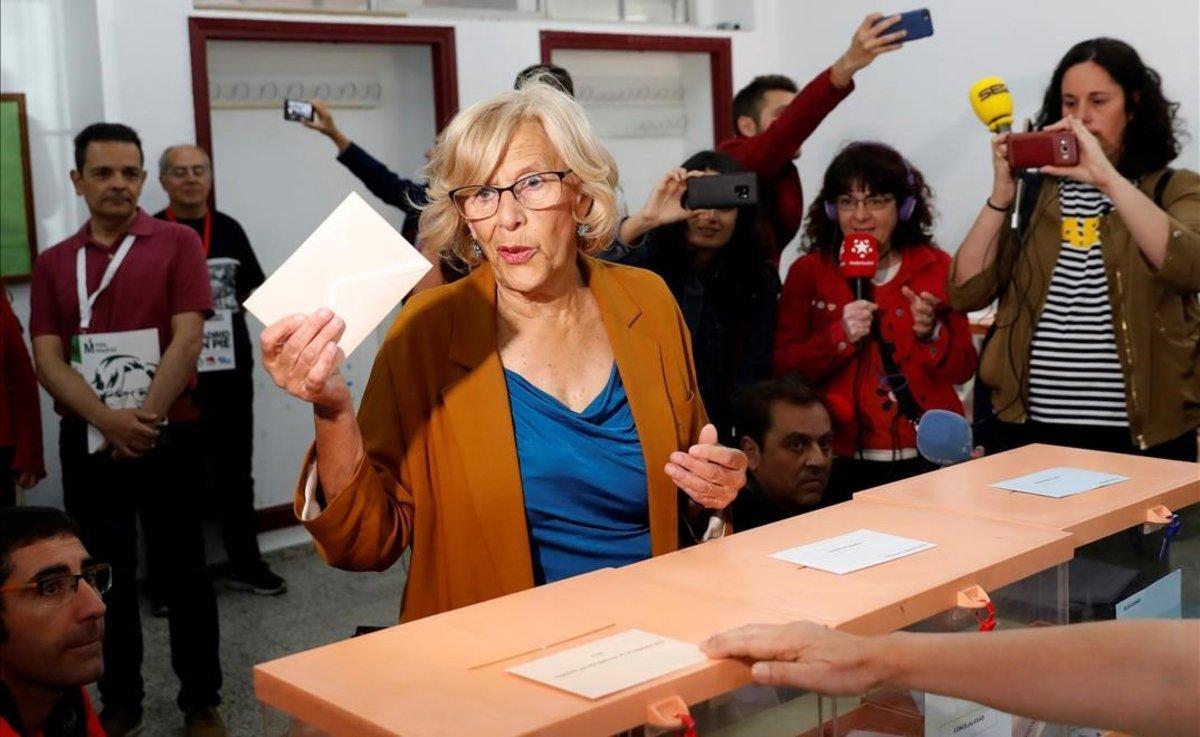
pixel 713 261
pixel 1097 334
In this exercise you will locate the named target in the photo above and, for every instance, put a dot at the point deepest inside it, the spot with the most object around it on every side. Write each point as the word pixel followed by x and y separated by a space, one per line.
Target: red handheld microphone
pixel 857 261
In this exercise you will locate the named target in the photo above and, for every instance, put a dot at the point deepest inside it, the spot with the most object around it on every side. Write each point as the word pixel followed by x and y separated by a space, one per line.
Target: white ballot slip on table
pixel 853 551
pixel 611 664
pixel 1060 481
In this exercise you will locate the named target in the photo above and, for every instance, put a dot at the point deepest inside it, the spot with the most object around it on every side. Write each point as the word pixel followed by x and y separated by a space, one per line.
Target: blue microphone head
pixel 944 437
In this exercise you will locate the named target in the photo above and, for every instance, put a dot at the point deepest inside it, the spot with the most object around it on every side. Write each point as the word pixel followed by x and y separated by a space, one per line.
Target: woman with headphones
pixel 881 359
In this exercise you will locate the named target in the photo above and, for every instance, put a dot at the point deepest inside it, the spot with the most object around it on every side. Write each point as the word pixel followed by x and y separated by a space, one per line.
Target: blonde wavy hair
pixel 470 149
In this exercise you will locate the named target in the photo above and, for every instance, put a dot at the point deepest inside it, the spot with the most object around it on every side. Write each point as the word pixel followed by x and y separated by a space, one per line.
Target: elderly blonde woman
pixel 535 420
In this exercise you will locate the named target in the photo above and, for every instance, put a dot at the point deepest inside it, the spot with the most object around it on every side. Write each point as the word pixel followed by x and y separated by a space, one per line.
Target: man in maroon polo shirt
pixel 133 329
pixel 771 121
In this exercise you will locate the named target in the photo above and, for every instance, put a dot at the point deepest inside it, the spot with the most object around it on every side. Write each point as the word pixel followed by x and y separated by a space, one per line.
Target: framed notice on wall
pixel 18 237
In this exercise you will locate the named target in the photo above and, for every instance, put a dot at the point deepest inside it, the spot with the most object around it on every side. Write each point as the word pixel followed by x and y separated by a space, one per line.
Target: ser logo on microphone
pixel 995 89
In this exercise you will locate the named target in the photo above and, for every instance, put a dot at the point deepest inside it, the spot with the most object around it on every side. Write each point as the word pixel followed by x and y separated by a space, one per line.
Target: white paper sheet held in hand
pixel 1060 481
pixel 354 263
pixel 852 551
pixel 601 667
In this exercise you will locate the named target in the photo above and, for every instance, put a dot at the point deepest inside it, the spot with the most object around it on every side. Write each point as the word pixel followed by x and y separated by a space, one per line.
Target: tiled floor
pixel 324 605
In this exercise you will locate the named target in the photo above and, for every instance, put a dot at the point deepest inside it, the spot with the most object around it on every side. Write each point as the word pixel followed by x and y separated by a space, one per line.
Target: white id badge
pixel 217 353
pixel 119 367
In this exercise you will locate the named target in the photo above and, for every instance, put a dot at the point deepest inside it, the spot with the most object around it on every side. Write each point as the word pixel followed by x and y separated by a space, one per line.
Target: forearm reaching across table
pixel 1141 677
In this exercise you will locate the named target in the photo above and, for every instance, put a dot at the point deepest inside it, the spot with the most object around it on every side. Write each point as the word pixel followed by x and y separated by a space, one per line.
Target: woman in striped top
pixel 1097 331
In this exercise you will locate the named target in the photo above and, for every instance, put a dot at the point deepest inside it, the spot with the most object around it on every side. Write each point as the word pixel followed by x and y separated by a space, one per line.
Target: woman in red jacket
pixel 882 360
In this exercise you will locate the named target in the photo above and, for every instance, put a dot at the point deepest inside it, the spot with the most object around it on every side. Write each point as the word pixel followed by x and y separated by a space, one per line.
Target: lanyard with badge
pixel 118 366
pixel 217 351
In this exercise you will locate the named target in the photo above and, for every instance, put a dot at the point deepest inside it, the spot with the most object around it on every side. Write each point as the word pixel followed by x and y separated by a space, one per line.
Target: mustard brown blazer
pixel 441 472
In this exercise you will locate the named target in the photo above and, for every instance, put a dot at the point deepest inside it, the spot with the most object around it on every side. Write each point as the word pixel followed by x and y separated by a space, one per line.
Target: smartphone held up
pixel 719 191
pixel 298 110
pixel 1042 148
pixel 915 24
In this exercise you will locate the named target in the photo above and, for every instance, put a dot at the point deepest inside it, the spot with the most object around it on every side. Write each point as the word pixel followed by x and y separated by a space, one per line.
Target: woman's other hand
pixel 709 473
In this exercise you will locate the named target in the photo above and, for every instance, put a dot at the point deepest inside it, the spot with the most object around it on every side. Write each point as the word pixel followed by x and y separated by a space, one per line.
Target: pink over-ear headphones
pixel 907 205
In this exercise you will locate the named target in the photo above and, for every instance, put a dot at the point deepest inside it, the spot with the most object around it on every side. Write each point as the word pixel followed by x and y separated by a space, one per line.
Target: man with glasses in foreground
pixel 51 625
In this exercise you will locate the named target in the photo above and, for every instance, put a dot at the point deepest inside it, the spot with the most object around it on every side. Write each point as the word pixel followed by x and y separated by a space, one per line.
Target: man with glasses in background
pixel 224 383
pixel 51 625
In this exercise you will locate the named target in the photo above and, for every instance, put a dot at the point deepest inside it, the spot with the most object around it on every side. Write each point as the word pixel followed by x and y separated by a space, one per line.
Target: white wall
pixel 276 178
pixel 916 98
pixel 49 50
pixel 643 159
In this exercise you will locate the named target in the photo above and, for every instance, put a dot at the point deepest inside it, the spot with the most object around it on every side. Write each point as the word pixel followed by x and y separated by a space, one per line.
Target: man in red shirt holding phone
pixel 772 120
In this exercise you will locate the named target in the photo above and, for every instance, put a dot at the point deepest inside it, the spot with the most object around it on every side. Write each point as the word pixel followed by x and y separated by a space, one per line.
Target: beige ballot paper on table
pixel 605 666
pixel 354 263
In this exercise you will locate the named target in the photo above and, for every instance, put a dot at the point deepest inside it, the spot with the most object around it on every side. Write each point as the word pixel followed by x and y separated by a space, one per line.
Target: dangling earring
pixel 476 250
pixel 581 230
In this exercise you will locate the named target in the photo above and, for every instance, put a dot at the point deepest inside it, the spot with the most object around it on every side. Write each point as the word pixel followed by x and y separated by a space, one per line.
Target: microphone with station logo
pixel 857 261
pixel 992 103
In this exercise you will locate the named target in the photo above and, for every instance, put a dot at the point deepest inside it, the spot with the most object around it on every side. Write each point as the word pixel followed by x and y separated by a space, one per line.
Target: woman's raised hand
pixel 301 354
pixel 1094 166
pixel 663 207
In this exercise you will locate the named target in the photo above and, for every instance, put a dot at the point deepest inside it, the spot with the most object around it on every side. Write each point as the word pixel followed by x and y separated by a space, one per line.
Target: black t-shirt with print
pixel 233 272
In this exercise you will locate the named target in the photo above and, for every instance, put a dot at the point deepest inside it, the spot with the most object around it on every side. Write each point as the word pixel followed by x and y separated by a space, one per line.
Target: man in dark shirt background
pixel 787 437
pixel 225 384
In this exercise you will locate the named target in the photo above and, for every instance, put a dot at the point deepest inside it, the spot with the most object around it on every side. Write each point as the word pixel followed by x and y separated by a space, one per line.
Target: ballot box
pixel 1122 528
pixel 448 674
pixel 452 674
pixel 978 572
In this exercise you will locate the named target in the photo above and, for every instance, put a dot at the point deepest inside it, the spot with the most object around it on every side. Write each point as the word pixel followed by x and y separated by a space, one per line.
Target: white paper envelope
pixel 354 263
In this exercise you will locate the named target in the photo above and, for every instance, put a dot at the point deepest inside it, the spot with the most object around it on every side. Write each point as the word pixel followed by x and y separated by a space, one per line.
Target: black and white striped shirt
pixel 1074 369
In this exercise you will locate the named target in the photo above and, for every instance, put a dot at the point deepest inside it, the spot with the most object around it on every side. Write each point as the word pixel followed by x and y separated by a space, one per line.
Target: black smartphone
pixel 721 191
pixel 918 23
pixel 298 110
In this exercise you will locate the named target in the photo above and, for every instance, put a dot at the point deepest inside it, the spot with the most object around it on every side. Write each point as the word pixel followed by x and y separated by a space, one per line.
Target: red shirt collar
pixel 142 225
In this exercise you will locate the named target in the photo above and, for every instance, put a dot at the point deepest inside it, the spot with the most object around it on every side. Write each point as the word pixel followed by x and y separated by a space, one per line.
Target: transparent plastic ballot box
pixel 976 565
pixel 1118 529
pixel 448 674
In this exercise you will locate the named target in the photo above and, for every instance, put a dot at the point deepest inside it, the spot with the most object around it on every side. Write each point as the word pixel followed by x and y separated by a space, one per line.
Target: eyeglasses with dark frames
pixel 58 589
pixel 874 203
pixel 535 192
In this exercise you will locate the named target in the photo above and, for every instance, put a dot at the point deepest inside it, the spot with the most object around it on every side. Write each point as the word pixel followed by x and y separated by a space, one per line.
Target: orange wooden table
pixel 971 551
pixel 965 489
pixel 445 675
